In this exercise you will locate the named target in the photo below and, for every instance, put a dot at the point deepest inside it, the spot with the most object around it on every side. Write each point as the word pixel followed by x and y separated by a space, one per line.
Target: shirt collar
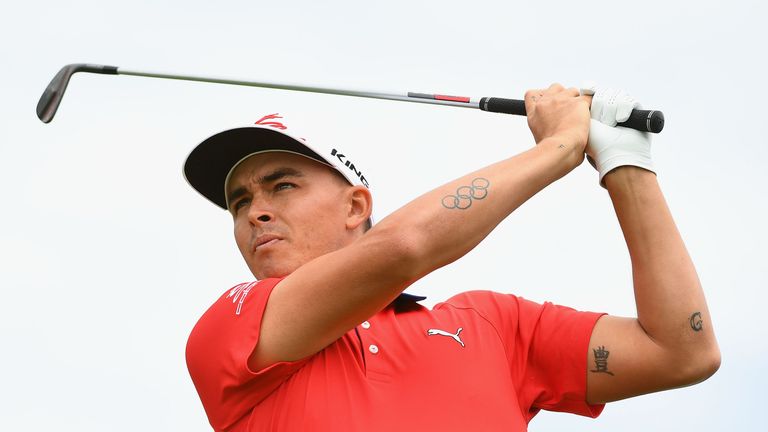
pixel 411 297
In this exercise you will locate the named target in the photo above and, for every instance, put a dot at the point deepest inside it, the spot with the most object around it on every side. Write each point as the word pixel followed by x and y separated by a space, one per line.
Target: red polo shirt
pixel 480 361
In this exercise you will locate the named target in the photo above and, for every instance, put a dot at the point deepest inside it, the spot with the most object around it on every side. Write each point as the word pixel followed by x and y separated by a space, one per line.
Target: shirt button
pixel 366 325
pixel 373 349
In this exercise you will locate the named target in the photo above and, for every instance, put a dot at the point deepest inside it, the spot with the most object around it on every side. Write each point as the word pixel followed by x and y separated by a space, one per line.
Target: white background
pixel 107 257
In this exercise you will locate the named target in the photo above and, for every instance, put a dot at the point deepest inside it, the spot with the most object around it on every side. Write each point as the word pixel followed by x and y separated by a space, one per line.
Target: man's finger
pixel 573 91
pixel 624 110
pixel 555 88
pixel 588 88
pixel 533 94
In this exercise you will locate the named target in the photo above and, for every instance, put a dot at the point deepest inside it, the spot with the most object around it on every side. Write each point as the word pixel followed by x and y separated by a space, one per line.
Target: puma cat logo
pixel 432 332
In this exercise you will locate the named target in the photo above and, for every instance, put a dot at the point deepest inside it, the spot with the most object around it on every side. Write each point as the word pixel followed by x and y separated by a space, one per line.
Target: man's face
pixel 287 210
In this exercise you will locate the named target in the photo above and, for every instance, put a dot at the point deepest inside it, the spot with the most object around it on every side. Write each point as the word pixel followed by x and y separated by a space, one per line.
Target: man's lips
pixel 265 240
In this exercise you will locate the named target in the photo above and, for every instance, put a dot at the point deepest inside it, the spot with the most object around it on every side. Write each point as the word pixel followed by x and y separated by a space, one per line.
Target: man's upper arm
pixel 324 298
pixel 624 361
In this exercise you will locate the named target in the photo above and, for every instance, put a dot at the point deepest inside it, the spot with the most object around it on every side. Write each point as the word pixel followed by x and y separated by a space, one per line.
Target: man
pixel 325 340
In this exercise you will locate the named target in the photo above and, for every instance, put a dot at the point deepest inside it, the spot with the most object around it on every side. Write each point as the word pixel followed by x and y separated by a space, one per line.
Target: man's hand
pixel 610 147
pixel 561 115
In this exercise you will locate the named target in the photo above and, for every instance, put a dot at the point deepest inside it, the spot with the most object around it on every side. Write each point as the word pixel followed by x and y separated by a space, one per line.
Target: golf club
pixel 642 120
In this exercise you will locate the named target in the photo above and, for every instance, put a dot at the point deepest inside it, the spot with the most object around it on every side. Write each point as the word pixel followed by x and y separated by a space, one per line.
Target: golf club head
pixel 51 97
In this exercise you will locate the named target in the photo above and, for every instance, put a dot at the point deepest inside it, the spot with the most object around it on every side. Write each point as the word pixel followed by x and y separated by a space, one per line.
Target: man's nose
pixel 259 215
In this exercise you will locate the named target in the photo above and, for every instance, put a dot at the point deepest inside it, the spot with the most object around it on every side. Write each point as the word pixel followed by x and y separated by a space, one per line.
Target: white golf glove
pixel 609 146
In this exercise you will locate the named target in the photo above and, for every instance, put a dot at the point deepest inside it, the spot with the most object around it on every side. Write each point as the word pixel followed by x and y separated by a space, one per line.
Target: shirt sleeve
pixel 218 350
pixel 547 347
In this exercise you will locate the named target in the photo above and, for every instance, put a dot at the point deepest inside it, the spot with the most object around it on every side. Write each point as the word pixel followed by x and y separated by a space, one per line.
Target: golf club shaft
pixel 643 120
pixel 407 97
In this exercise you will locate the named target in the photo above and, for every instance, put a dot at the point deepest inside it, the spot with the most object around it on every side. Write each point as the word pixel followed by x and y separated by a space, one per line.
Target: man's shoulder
pixel 236 312
pixel 481 299
pixel 496 307
pixel 238 293
pixel 242 299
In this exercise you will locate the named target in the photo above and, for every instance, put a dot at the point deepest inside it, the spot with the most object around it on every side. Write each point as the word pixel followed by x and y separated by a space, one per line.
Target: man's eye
pixel 241 204
pixel 284 185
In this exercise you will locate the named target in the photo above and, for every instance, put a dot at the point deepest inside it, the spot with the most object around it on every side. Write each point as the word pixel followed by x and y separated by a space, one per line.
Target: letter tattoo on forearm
pixel 601 360
pixel 696 322
pixel 465 194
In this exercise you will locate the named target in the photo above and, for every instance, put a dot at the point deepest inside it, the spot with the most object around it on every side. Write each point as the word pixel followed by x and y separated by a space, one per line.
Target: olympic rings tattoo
pixel 465 194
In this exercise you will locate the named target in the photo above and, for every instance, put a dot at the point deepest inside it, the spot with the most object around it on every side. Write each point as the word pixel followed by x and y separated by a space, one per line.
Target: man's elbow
pixel 711 364
pixel 699 365
pixel 400 253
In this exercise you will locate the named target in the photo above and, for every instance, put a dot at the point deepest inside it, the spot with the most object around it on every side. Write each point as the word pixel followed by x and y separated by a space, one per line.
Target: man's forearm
pixel 448 222
pixel 671 306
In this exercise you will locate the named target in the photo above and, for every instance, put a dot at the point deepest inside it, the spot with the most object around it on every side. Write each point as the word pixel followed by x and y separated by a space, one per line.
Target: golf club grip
pixel 642 120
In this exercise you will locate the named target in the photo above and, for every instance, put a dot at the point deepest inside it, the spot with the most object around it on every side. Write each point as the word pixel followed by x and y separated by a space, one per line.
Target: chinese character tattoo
pixel 601 360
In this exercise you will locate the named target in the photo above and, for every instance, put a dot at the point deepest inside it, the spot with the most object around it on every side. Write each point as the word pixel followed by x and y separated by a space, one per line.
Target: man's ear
pixel 360 206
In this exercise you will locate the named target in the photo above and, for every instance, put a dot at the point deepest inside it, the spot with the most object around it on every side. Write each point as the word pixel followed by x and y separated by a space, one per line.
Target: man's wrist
pixel 628 175
pixel 568 151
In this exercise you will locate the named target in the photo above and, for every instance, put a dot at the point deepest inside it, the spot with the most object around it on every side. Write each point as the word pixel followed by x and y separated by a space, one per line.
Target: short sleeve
pixel 218 350
pixel 555 343
pixel 547 347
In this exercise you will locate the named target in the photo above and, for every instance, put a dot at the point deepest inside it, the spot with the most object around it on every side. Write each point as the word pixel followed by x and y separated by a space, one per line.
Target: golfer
pixel 325 340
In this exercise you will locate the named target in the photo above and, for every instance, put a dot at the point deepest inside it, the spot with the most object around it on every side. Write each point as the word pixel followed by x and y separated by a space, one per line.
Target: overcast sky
pixel 108 258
